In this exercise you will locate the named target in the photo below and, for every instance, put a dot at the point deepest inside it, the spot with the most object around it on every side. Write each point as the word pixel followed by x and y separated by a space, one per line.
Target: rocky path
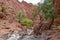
pixel 7 32
pixel 48 35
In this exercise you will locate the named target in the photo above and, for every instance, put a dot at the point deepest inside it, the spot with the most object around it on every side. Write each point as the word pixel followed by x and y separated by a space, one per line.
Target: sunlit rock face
pixel 8 23
pixel 19 6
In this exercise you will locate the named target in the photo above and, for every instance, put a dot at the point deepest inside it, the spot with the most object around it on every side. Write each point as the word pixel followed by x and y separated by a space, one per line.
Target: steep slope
pixel 19 6
pixel 8 21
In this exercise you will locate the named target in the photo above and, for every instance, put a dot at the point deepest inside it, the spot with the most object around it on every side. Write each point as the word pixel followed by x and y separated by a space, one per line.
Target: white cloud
pixel 33 1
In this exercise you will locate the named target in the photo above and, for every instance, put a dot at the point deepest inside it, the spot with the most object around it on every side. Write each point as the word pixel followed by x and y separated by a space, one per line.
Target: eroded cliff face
pixel 8 21
pixel 18 6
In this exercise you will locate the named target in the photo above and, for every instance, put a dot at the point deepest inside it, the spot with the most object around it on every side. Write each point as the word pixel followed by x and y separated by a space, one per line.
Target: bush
pixel 48 12
pixel 48 9
pixel 27 22
pixel 20 15
pixel 22 18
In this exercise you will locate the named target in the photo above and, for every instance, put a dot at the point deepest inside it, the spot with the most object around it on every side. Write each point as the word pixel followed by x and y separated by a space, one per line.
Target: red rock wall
pixel 19 6
pixel 57 6
pixel 57 10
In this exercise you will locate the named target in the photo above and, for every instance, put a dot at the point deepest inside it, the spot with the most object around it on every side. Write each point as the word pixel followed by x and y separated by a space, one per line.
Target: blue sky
pixel 33 1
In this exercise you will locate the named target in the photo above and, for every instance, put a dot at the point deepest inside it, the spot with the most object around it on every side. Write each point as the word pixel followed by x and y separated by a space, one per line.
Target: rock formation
pixel 57 6
pixel 57 10
pixel 18 6
pixel 10 24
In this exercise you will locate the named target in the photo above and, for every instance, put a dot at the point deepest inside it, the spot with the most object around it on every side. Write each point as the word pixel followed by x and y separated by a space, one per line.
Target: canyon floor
pixel 7 32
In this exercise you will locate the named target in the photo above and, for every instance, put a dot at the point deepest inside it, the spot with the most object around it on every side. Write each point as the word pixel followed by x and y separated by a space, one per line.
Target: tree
pixel 48 12
pixel 37 11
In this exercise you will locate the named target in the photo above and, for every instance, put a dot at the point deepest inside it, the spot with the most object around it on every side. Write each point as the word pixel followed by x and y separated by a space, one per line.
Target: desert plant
pixel 48 11
pixel 27 22
pixel 22 18
pixel 20 15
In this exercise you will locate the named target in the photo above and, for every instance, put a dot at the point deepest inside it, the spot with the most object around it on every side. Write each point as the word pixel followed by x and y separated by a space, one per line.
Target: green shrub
pixel 22 18
pixel 27 22
pixel 48 9
pixel 20 15
pixel 48 12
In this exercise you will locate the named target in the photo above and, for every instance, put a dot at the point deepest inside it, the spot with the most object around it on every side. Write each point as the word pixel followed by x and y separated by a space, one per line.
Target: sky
pixel 33 1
